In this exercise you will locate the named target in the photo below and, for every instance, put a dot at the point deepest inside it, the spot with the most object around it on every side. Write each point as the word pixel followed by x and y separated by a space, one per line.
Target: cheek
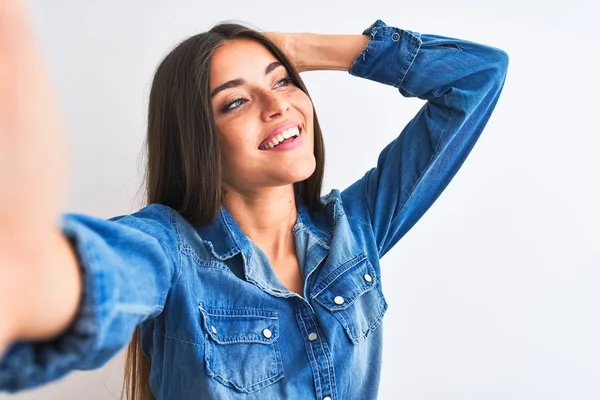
pixel 232 148
pixel 307 110
pixel 236 142
pixel 305 105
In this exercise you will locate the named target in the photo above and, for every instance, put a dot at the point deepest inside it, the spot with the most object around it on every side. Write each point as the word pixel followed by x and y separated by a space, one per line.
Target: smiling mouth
pixel 287 136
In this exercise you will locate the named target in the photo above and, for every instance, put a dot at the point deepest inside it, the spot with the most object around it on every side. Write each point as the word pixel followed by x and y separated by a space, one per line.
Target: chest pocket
pixel 241 349
pixel 352 293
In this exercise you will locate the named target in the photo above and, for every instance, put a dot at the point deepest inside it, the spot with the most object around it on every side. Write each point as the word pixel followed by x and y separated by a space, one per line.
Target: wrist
pixel 313 51
pixel 11 273
pixel 6 338
pixel 8 322
pixel 40 289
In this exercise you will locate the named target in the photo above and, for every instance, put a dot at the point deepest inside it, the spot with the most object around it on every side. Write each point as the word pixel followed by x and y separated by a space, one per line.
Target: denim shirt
pixel 216 321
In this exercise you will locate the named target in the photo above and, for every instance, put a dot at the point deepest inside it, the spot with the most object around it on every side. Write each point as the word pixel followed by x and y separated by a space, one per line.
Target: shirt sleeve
pixel 461 82
pixel 128 265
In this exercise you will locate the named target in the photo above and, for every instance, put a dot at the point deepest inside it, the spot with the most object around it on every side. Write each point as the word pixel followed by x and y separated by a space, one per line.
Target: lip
pixel 297 142
pixel 278 129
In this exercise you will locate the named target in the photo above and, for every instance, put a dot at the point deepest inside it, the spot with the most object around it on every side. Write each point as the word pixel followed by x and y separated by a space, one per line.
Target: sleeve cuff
pixel 30 364
pixel 388 55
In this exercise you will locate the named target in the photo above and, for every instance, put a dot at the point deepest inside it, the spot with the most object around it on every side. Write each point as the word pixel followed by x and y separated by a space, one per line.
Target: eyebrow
pixel 239 82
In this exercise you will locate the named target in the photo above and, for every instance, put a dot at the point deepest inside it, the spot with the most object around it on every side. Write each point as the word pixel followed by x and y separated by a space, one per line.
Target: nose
pixel 274 105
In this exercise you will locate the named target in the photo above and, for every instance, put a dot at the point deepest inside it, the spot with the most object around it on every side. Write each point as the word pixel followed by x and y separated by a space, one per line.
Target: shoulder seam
pixel 178 261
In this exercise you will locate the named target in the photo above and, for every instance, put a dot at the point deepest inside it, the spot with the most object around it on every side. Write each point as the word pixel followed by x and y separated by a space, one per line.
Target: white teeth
pixel 288 133
pixel 291 132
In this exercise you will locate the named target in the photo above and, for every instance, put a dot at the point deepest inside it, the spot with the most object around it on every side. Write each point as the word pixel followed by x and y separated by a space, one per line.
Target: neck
pixel 267 217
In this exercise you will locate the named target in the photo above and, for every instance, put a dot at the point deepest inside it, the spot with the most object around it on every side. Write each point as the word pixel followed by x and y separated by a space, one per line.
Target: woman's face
pixel 253 99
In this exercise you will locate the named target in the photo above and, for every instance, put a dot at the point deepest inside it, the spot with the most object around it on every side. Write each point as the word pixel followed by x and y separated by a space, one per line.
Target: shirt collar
pixel 224 236
pixel 226 239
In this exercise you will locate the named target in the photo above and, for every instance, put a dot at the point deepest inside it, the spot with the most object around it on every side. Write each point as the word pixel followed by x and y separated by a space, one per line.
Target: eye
pixel 284 82
pixel 237 102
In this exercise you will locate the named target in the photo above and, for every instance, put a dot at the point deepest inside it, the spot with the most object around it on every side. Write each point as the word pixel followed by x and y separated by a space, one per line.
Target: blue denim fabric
pixel 216 321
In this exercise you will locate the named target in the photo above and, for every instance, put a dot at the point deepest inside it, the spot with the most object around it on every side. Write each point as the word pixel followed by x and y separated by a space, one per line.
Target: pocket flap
pixel 226 326
pixel 346 284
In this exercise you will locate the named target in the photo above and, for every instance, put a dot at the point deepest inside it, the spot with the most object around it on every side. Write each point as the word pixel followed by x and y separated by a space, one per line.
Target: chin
pixel 301 171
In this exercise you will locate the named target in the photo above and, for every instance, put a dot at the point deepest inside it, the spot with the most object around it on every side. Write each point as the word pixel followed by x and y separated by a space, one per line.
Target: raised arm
pixel 461 82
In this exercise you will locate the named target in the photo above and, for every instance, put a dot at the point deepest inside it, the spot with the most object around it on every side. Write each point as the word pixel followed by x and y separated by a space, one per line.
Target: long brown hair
pixel 183 156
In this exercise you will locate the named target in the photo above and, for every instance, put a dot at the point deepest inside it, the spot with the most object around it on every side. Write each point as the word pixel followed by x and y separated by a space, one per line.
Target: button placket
pixel 318 353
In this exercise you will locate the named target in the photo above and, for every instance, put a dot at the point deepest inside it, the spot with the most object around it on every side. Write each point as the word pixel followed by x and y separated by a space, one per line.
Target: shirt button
pixel 338 300
pixel 395 36
pixel 312 337
pixel 267 333
pixel 368 278
pixel 326 398
pixel 213 329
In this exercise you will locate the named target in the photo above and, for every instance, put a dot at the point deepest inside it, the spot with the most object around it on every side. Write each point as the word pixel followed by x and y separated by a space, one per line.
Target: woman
pixel 243 281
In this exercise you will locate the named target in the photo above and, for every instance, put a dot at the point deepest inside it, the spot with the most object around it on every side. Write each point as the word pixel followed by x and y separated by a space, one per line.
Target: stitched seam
pixel 225 339
pixel 201 262
pixel 339 271
pixel 264 284
pixel 426 169
pixel 177 339
pixel 416 44
pixel 178 268
pixel 329 368
pixel 377 321
pixel 138 309
pixel 230 234
pixel 347 305
pixel 344 321
pixel 243 340
pixel 218 256
pixel 312 227
pixel 316 361
pixel 251 387
pixel 276 375
pixel 241 315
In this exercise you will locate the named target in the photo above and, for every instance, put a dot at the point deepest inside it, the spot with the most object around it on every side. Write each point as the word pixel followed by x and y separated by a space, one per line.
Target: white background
pixel 494 294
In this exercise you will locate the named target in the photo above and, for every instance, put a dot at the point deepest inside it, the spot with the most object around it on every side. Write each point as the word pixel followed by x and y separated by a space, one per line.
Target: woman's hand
pixel 39 280
pixel 285 41
pixel 314 52
pixel 33 156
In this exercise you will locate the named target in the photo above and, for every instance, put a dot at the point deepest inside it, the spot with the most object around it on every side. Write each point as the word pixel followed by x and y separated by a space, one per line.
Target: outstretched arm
pixel 39 279
pixel 72 287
